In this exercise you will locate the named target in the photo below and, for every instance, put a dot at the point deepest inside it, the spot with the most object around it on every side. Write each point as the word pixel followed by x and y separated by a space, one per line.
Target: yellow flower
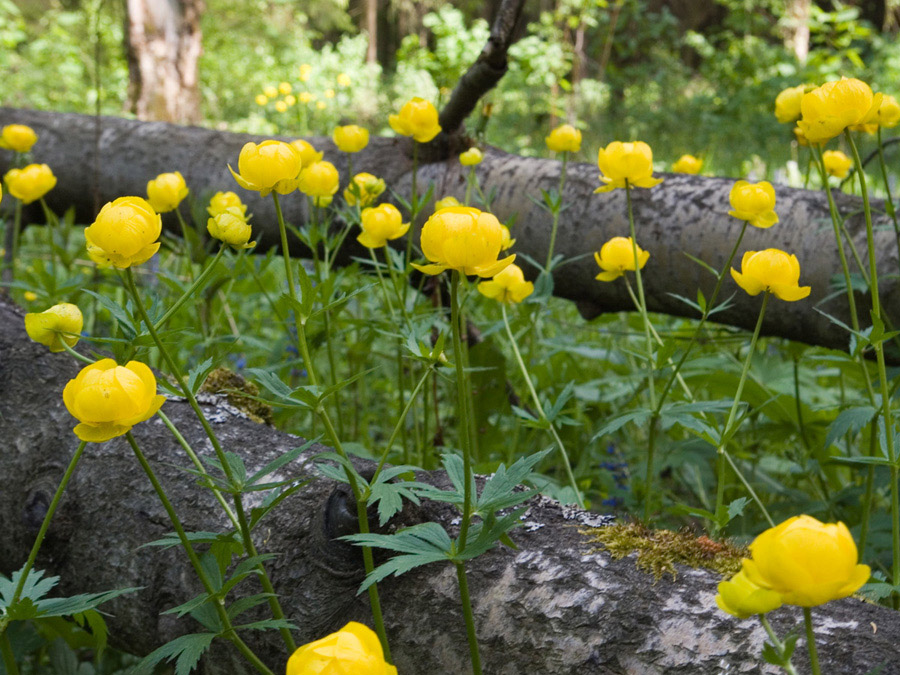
pixel 305 72
pixel 221 201
pixel 261 99
pixel 379 224
pixel 271 165
pixel 620 162
pixel 306 97
pixel 321 105
pixel 124 233
pixel 350 138
pixel 308 154
pixel 108 399
pixel 801 137
pixel 471 157
pixel 329 93
pixel 564 138
pixel 17 137
pixel 353 649
pixel 837 164
pixel 364 189
pixel 50 327
pixel 753 202
pixel 285 88
pixel 31 183
pixel 271 91
pixel 888 115
pixel 231 227
pixel 319 181
pixel 291 100
pixel 464 239
pixel 617 257
pixel 343 80
pixel 787 103
pixel 742 598
pixel 30 296
pixel 831 108
pixel 281 106
pixel 166 191
pixel 417 118
pixel 807 562
pixel 508 285
pixel 771 270
pixel 688 164
pixel 446 202
pixel 508 241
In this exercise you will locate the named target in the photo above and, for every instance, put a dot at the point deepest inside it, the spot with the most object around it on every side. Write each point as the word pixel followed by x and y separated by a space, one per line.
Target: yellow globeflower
pixel 742 598
pixel 417 118
pixel 221 201
pixel 807 562
pixel 306 97
pixel 787 103
pixel 321 105
pixel 471 157
pixel 753 202
pixel 617 257
pixel 305 72
pixel 508 285
pixel 124 233
pixel 508 241
pixel 688 164
pixel 379 224
pixel 626 162
pixel 801 137
pixel 285 88
pixel 837 164
pixel 271 91
pixel 350 138
pixel 564 138
pixel 50 327
pixel 888 115
pixel 771 270
pixel 329 93
pixel 831 108
pixel 271 165
pixel 231 227
pixel 30 296
pixel 308 154
pixel 17 137
pixel 31 183
pixel 343 80
pixel 291 100
pixel 464 239
pixel 446 202
pixel 261 99
pixel 281 106
pixel 364 189
pixel 166 191
pixel 319 181
pixel 354 649
pixel 109 400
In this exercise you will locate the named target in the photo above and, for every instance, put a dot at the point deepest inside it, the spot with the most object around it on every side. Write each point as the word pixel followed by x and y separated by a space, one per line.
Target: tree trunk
pixel 796 36
pixel 163 44
pixel 556 605
pixel 685 215
pixel 372 30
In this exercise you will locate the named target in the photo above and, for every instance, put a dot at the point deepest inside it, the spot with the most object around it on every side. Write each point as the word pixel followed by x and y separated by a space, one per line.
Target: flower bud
pixel 742 598
pixel 50 327
pixel 166 191
pixel 379 224
pixel 564 138
pixel 353 649
pixel 225 200
pixel 230 227
pixel 753 202
pixel 124 233
pixel 308 154
pixel 271 165
pixel 837 164
pixel 319 181
pixel 688 164
pixel 617 257
pixel 471 157
pixel 626 165
pixel 350 138
pixel 508 285
pixel 17 137
pixel 417 118
pixel 31 183
pixel 771 270
pixel 363 190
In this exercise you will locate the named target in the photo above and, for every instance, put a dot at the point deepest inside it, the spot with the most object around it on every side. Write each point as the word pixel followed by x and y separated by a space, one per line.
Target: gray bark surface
pixel 554 606
pixel 684 215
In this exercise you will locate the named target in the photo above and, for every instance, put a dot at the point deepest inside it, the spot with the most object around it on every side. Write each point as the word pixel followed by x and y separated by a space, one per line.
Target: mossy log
pixel 556 605
pixel 100 159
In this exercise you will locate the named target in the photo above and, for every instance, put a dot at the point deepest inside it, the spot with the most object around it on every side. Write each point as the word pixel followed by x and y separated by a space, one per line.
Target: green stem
pixel 811 640
pixel 334 437
pixel 9 659
pixel 197 283
pixel 540 409
pixel 471 176
pixel 886 412
pixel 387 297
pixel 778 644
pixel 413 207
pixel 393 273
pixel 217 603
pixel 887 187
pixel 469 617
pixel 727 430
pixel 462 412
pixel 556 212
pixel 72 352
pixel 870 489
pixel 175 371
pixel 188 254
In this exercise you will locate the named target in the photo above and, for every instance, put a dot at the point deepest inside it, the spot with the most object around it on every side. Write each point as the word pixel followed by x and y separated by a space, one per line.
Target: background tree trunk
pixel 372 30
pixel 796 36
pixel 554 606
pixel 685 215
pixel 163 44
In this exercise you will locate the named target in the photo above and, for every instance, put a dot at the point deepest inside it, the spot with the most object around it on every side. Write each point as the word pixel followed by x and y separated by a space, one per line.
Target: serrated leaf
pixel 185 650
pixel 620 420
pixel 851 420
pixel 197 375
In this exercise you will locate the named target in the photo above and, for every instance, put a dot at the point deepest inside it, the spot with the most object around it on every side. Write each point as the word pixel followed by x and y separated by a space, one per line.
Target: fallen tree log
pixel 684 215
pixel 557 605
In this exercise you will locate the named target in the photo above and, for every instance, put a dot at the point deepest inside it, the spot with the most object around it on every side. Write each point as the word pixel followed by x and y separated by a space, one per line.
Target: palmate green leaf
pixel 851 420
pixel 612 425
pixel 390 495
pixel 36 586
pixel 400 565
pixel 499 490
pixel 241 605
pixel 198 373
pixel 484 536
pixel 280 461
pixel 185 651
pixel 34 604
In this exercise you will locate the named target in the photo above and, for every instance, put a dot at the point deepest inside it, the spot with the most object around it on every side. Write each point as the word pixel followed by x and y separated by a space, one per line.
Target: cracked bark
pixel 683 215
pixel 554 606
